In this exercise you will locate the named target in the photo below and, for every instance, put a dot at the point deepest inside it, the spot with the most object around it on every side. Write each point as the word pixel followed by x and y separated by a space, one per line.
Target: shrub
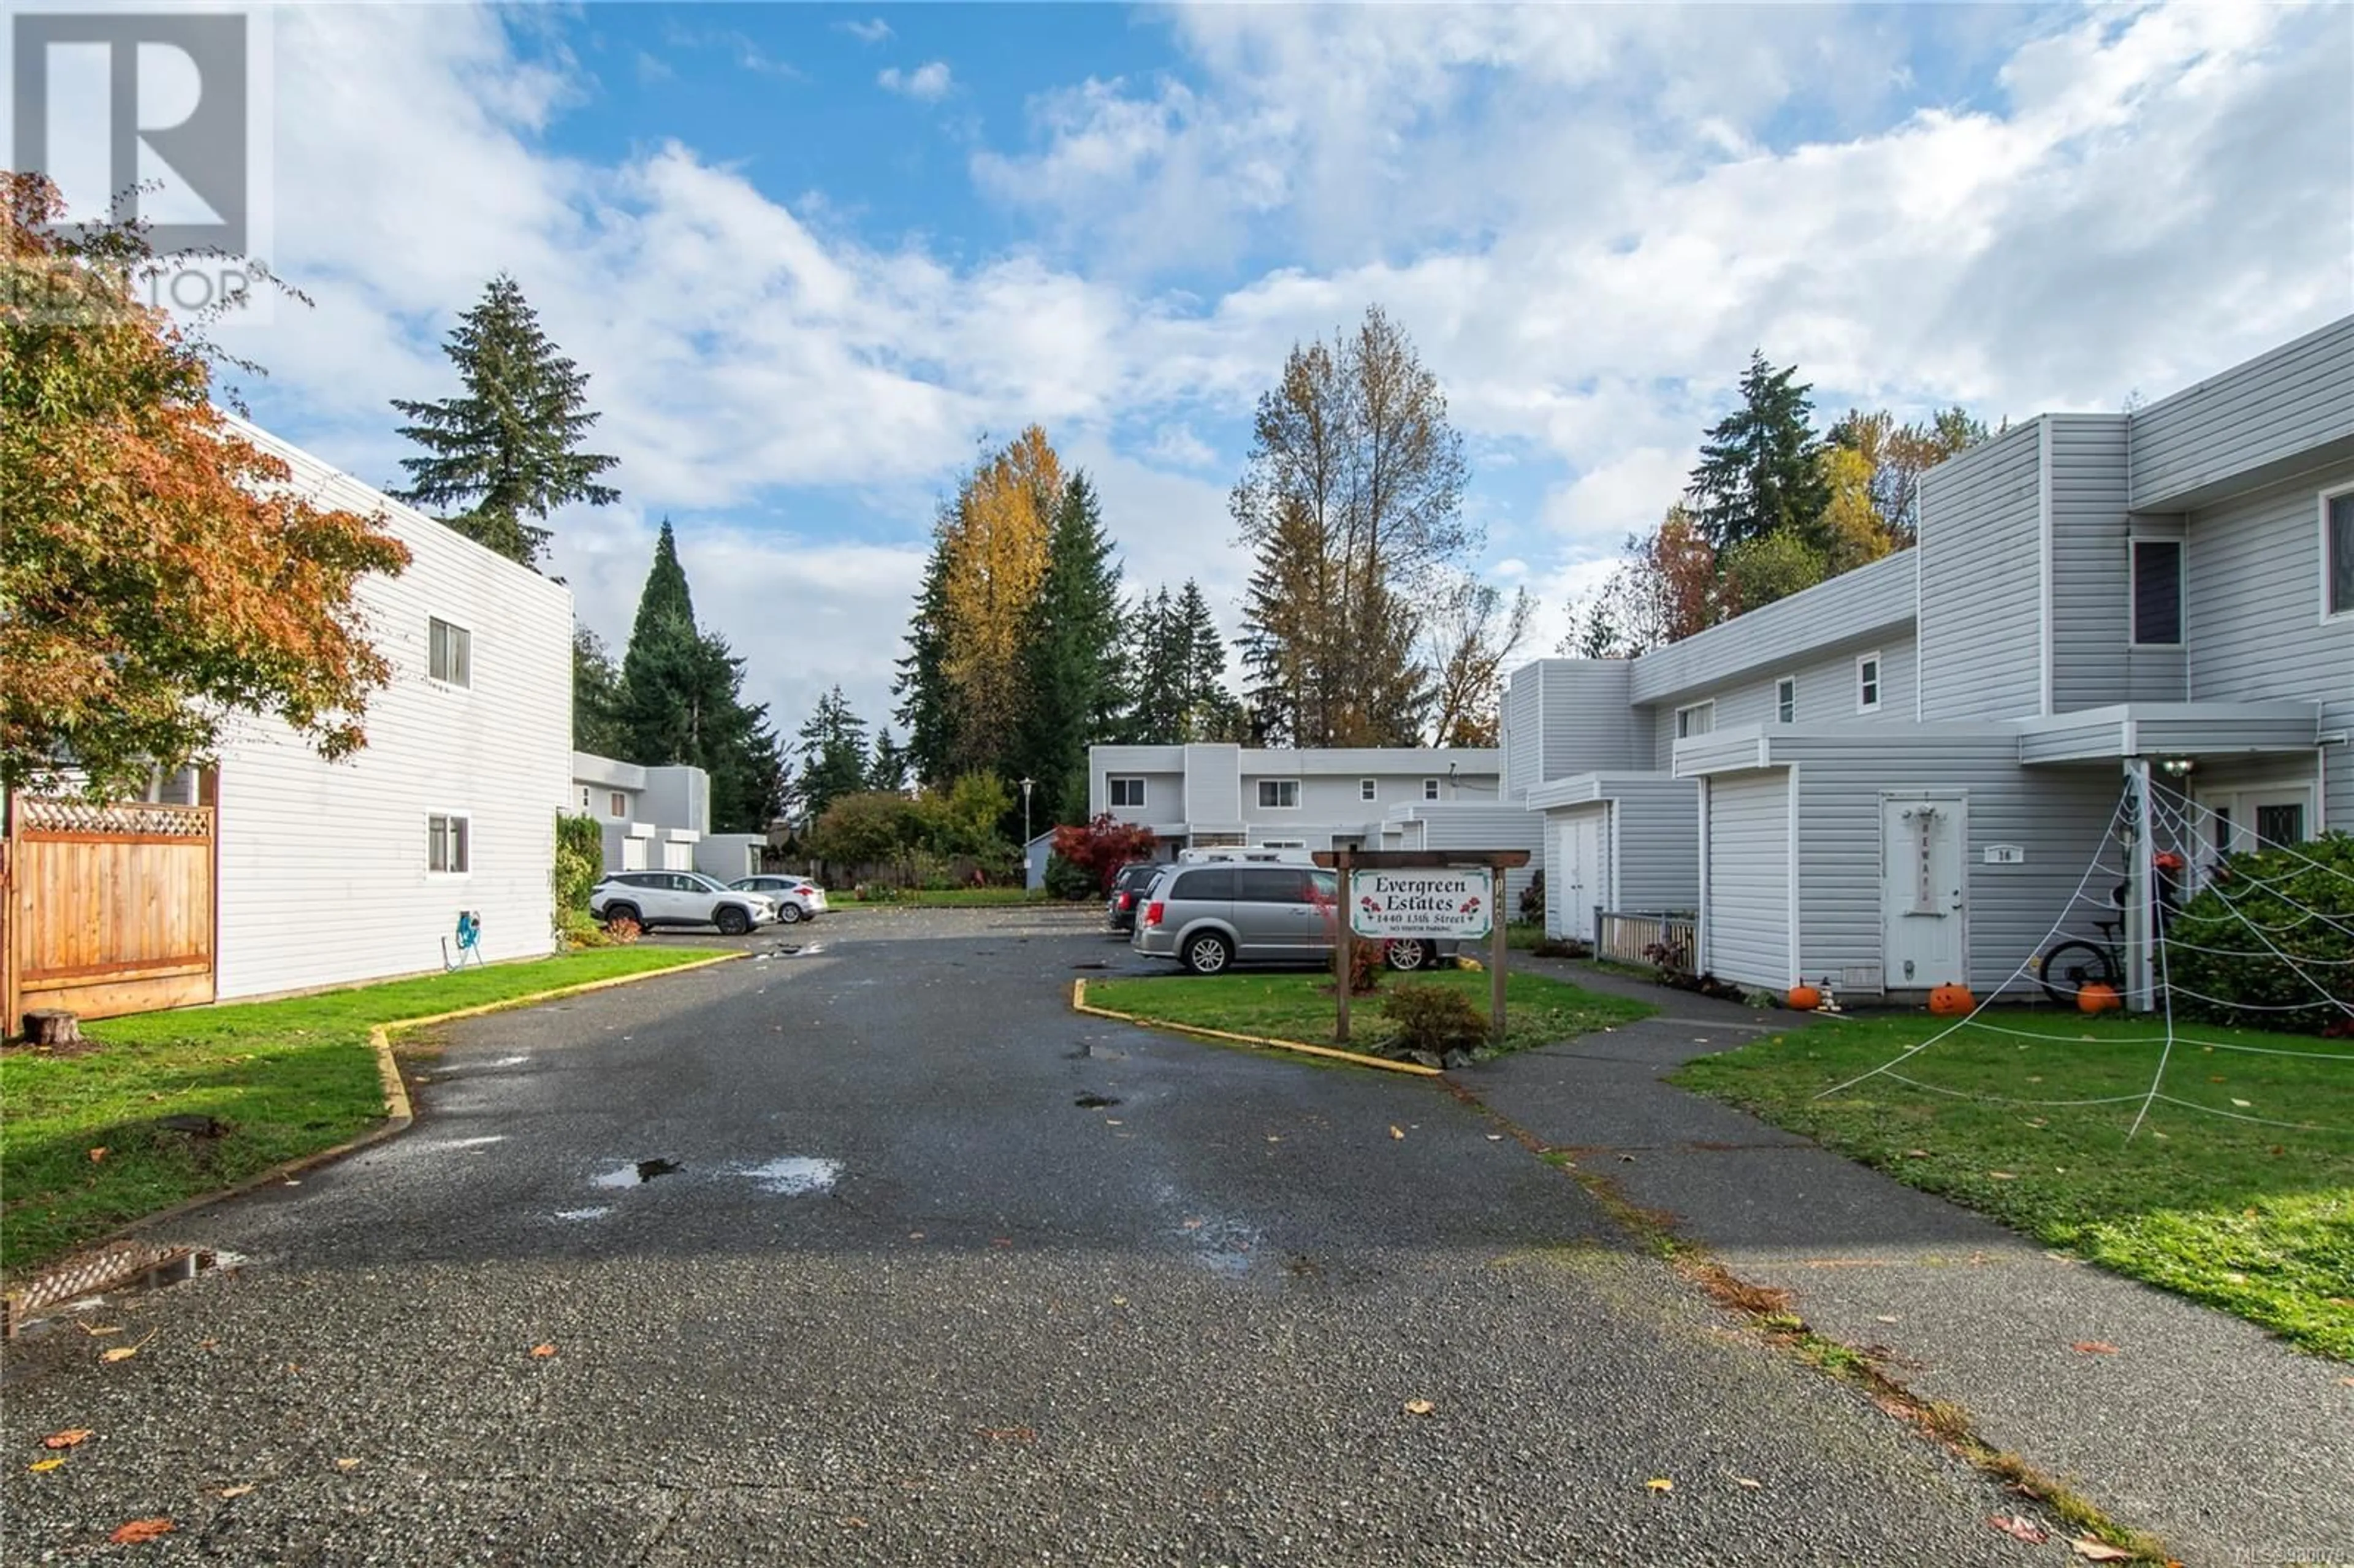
pixel 1364 966
pixel 864 829
pixel 1069 880
pixel 1102 847
pixel 2258 912
pixel 1533 899
pixel 579 862
pixel 1434 1019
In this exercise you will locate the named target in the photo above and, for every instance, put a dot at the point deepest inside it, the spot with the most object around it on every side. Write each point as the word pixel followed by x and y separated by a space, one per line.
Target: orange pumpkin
pixel 2098 997
pixel 1951 1000
pixel 1804 998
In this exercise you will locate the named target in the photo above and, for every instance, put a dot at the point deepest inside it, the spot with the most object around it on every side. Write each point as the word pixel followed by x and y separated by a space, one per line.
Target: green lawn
pixel 1537 1010
pixel 288 1078
pixel 2255 1219
pixel 953 898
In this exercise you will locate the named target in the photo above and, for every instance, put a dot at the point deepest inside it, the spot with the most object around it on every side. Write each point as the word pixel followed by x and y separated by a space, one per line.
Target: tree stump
pixel 52 1026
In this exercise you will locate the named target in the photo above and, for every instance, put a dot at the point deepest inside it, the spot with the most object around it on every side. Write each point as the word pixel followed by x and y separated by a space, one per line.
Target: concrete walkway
pixel 2201 1428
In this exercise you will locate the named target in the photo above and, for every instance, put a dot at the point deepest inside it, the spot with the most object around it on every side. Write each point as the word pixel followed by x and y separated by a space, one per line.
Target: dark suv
pixel 1127 893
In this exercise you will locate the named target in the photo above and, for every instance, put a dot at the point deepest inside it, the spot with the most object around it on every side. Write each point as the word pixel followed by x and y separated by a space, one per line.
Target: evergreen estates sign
pixel 1450 903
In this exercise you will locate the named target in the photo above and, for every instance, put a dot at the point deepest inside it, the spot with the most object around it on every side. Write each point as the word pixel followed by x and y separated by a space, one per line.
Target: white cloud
pixel 873 31
pixel 928 83
pixel 1586 218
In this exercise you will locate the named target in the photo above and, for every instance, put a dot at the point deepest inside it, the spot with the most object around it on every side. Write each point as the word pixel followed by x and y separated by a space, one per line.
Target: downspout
pixel 2141 948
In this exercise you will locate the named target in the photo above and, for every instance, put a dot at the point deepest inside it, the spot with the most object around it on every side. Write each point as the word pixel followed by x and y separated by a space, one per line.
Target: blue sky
pixel 811 255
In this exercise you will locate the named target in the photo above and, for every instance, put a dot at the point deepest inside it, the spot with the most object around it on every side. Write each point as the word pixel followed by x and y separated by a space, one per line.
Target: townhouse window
pixel 2280 825
pixel 1430 788
pixel 2338 553
pixel 1283 843
pixel 2158 591
pixel 1368 790
pixel 1867 683
pixel 447 844
pixel 1698 719
pixel 450 657
pixel 584 797
pixel 1128 792
pixel 1279 794
pixel 619 805
pixel 1786 699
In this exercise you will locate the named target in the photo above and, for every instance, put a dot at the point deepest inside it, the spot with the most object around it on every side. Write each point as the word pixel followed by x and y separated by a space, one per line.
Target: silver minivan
pixel 1210 918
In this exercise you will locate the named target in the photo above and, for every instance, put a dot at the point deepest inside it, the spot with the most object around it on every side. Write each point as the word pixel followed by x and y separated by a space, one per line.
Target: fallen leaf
pixel 98 1154
pixel 1122 1301
pixel 1884 1317
pixel 2022 1527
pixel 854 1522
pixel 1660 1484
pixel 73 1437
pixel 41 1466
pixel 95 1332
pixel 2244 1105
pixel 1010 1433
pixel 2004 1175
pixel 124 1353
pixel 1419 1408
pixel 541 1353
pixel 2092 1550
pixel 1115 1121
pixel 1916 1154
pixel 347 1463
pixel 2096 1346
pixel 1396 1131
pixel 1192 1226
pixel 1495 1137
pixel 236 1491
pixel 140 1530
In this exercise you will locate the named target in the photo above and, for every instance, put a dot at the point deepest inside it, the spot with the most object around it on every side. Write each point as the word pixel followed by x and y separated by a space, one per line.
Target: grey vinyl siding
pixel 1589 724
pixel 2095 660
pixel 2059 816
pixel 1486 827
pixel 1523 694
pixel 1656 829
pixel 1827 691
pixel 1212 784
pixel 1981 554
pixel 2270 409
pixel 1748 914
pixel 1869 601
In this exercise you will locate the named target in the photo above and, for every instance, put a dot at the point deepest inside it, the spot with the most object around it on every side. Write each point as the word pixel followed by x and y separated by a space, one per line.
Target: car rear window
pixel 1215 883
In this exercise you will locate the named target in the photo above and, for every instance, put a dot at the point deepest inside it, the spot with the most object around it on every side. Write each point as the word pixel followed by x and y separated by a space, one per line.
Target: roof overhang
pixel 1589 788
pixel 2170 729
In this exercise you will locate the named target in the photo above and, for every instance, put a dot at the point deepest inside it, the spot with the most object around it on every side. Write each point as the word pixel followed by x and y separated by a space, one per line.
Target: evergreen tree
pixel 1208 706
pixel 832 755
pixel 928 705
pixel 682 703
pixel 1759 468
pixel 887 769
pixel 508 449
pixel 596 695
pixel 1072 660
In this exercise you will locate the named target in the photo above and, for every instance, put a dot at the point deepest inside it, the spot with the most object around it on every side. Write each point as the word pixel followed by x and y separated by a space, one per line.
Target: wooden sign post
pixel 1349 860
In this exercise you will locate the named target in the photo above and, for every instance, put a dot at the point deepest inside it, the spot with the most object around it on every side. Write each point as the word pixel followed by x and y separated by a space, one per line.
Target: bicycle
pixel 2066 966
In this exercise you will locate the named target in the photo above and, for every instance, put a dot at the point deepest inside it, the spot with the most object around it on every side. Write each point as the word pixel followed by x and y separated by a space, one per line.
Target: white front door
pixel 1924 891
pixel 1577 851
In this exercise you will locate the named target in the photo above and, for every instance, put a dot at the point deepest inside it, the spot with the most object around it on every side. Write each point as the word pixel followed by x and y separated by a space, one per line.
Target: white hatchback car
pixel 654 898
pixel 798 898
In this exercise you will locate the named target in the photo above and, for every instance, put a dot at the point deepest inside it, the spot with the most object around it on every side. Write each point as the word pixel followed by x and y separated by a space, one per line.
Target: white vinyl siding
pixel 1127 794
pixel 1748 918
pixel 1981 594
pixel 1832 681
pixel 450 652
pixel 324 876
pixel 2269 410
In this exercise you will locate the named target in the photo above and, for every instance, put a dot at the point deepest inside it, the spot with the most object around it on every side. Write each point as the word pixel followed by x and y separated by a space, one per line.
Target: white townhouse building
pixel 1896 779
pixel 330 873
pixel 659 818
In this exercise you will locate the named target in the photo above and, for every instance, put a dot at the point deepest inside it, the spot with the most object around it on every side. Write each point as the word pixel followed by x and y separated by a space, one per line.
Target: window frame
pixel 1878 682
pixel 586 809
pixel 1430 788
pixel 1684 729
pixel 1281 844
pixel 434 627
pixel 618 801
pixel 1112 791
pixel 1786 699
pixel 1369 789
pixel 1278 786
pixel 437 824
pixel 2328 560
pixel 2133 589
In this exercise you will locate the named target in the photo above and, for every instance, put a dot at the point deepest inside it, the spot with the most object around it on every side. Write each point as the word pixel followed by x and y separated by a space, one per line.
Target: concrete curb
pixel 399 1115
pixel 1413 1069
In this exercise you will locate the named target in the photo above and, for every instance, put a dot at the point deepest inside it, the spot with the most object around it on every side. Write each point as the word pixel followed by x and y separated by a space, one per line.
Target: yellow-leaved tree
pixel 992 547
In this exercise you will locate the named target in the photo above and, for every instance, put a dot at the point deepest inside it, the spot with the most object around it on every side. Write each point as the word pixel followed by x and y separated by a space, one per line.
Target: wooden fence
pixel 106 909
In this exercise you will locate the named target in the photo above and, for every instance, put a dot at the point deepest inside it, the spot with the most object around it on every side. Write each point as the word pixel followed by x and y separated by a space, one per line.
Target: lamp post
pixel 1026 786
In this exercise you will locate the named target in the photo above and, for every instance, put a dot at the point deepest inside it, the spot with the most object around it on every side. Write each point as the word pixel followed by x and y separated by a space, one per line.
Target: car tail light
pixel 1128 901
pixel 1152 912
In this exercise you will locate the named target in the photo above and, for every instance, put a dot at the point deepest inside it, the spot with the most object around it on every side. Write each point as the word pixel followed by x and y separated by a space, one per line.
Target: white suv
pixel 654 898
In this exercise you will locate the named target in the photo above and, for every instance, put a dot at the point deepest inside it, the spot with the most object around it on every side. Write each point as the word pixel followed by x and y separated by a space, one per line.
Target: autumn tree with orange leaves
pixel 992 539
pixel 156 575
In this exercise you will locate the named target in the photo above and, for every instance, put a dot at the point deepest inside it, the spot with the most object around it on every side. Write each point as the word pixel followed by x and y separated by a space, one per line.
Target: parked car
pixel 1127 889
pixel 1212 917
pixel 797 897
pixel 654 898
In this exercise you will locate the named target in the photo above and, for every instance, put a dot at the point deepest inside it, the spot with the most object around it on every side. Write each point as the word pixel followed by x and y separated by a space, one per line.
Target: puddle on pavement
pixel 637 1173
pixel 795 1175
pixel 485 1138
pixel 1095 1102
pixel 578 1215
